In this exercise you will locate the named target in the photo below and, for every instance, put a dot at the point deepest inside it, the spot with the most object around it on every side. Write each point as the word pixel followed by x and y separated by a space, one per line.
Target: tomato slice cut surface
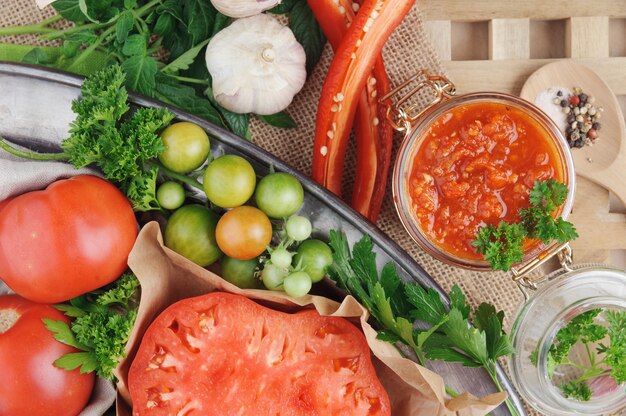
pixel 223 354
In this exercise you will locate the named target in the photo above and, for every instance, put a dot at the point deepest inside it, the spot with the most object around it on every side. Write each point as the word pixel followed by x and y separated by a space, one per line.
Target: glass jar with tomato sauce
pixel 470 161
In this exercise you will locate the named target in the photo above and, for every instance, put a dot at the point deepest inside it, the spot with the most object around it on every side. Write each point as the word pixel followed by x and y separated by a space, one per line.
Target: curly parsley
pixel 100 329
pixel 502 246
pixel 609 358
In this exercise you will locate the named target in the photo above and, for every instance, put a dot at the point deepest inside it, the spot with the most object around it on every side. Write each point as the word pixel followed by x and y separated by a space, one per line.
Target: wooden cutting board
pixel 496 45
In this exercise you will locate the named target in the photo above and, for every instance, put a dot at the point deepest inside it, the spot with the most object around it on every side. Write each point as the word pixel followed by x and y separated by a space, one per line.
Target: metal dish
pixel 35 111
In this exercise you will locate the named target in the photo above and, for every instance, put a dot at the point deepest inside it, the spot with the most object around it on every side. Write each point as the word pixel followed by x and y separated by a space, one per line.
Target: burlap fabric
pixel 408 50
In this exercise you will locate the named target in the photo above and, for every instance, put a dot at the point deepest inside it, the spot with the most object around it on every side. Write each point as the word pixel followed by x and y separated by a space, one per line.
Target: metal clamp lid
pixel 521 275
pixel 400 117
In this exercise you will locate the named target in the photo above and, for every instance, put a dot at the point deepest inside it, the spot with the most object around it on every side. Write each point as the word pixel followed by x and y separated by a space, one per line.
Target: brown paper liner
pixel 166 277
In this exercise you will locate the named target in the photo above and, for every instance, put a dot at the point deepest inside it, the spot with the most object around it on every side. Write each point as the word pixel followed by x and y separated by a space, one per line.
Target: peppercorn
pixel 573 100
pixel 569 130
pixel 596 126
pixel 571 118
pixel 593 134
pixel 579 143
pixel 563 103
pixel 583 98
pixel 559 93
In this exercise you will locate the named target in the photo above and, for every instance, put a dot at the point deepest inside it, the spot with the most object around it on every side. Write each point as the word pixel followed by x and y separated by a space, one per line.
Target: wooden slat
pixel 510 75
pixel 440 33
pixel 509 39
pixel 587 37
pixel 476 10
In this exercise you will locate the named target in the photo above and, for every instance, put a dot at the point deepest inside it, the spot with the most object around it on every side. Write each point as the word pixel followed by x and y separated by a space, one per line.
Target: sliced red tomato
pixel 31 384
pixel 66 240
pixel 223 354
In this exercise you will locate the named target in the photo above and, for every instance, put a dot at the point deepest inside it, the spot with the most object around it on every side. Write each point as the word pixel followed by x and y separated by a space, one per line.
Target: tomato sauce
pixel 475 165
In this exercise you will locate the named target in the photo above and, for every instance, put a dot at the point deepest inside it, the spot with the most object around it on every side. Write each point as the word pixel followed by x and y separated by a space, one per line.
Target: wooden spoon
pixel 605 162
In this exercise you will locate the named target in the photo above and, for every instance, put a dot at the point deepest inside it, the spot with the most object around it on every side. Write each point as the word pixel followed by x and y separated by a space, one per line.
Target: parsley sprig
pixel 608 359
pixel 100 329
pixel 122 144
pixel 502 246
pixel 397 306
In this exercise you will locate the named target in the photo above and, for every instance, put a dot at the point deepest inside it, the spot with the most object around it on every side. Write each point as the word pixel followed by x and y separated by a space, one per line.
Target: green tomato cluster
pixel 230 181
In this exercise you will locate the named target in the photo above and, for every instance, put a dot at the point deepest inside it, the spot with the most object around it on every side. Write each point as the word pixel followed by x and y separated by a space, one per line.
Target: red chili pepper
pixel 374 135
pixel 374 140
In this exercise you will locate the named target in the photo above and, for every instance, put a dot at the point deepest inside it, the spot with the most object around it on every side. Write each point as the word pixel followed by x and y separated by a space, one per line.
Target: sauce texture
pixel 475 165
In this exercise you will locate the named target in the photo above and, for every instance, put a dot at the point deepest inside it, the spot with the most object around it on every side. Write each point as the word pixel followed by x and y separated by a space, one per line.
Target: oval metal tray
pixel 35 112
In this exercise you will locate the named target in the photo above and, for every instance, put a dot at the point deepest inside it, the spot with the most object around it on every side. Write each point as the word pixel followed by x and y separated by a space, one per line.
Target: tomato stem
pixel 28 154
pixel 41 27
pixel 178 176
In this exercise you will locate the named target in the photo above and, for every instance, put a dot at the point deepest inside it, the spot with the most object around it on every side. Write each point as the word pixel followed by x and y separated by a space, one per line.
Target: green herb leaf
pixel 70 310
pixel 37 57
pixel 281 119
pixel 616 353
pixel 576 390
pixel 103 329
pixel 307 32
pixel 124 25
pixel 457 301
pixel 184 60
pixel 85 360
pixel 62 333
pixel 185 98
pixel 140 73
pixel 428 306
pixel 487 320
pixel 135 45
pixel 70 10
pixel 200 15
pixel 501 246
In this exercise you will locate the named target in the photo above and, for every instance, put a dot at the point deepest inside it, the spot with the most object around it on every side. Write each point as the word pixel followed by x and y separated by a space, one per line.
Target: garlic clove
pixel 243 8
pixel 257 65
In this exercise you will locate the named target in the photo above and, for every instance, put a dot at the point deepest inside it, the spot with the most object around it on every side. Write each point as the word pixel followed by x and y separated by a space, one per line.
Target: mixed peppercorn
pixel 582 117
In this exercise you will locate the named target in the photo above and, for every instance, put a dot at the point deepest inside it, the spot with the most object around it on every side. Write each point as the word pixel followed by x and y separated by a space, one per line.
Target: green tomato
pixel 241 273
pixel 313 256
pixel 281 258
pixel 297 284
pixel 190 232
pixel 170 195
pixel 273 277
pixel 229 181
pixel 279 195
pixel 298 228
pixel 186 147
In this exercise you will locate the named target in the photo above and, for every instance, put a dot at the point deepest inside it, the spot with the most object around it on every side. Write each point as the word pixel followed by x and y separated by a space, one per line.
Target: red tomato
pixel 31 385
pixel 68 239
pixel 223 354
pixel 243 233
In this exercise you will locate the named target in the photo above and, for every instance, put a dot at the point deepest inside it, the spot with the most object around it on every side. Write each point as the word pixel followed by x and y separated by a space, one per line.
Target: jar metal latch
pixel 522 275
pixel 402 114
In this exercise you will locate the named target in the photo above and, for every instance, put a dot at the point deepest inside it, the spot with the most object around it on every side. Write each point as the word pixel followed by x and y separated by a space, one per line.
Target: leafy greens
pixel 397 305
pixel 608 359
pixel 159 45
pixel 502 246
pixel 100 328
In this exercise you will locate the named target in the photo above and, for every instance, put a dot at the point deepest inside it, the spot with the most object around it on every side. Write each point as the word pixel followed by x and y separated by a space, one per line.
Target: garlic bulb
pixel 257 65
pixel 243 8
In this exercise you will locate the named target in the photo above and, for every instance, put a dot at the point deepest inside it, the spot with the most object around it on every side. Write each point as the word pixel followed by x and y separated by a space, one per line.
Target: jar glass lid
pixel 561 336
